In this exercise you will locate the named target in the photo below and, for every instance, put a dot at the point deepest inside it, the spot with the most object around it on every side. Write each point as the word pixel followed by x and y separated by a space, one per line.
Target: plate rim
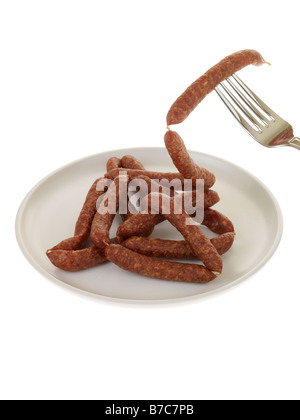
pixel 97 297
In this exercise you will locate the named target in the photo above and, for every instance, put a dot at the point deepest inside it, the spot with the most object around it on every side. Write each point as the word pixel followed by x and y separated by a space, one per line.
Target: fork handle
pixel 295 142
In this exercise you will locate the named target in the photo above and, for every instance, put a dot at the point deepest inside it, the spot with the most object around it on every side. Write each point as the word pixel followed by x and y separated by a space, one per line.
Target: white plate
pixel 49 212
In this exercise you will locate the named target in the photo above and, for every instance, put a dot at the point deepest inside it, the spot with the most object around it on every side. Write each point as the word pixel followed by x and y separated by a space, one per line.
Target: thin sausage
pixel 213 220
pixel 195 93
pixel 130 162
pixel 100 229
pixel 183 161
pixel 70 244
pixel 141 224
pixel 130 211
pixel 102 222
pixel 175 250
pixel 217 222
pixel 138 224
pixel 211 198
pixel 113 163
pixel 192 233
pixel 158 176
pixel 155 268
pixel 76 260
pixel 84 222
pixel 208 199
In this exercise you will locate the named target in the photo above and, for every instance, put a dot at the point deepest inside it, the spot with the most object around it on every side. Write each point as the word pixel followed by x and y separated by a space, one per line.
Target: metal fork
pixel 263 124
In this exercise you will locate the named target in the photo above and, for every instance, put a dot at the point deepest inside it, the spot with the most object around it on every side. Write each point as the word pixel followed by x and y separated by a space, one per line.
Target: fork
pixel 260 121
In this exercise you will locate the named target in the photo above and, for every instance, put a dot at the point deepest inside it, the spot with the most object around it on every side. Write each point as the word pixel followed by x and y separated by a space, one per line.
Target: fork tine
pixel 256 99
pixel 242 108
pixel 255 110
pixel 237 114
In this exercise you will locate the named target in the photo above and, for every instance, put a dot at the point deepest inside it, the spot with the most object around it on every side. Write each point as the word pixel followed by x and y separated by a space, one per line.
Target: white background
pixel 81 77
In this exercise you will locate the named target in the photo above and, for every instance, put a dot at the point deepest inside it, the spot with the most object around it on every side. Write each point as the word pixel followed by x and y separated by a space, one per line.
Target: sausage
pixel 211 198
pixel 84 222
pixel 89 209
pixel 141 230
pixel 134 173
pixel 113 163
pixel 155 268
pixel 125 217
pixel 183 161
pixel 159 176
pixel 141 224
pixel 76 260
pixel 100 229
pixel 193 198
pixel 175 250
pixel 130 162
pixel 70 244
pixel 102 222
pixel 138 224
pixel 153 186
pixel 217 222
pixel 195 93
pixel 196 204
pixel 131 211
pixel 192 233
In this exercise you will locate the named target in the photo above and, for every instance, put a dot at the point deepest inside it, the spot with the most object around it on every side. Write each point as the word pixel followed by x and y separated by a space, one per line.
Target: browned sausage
pixel 175 250
pixel 113 163
pixel 130 162
pixel 195 94
pixel 183 161
pixel 211 198
pixel 142 224
pixel 102 222
pixel 130 211
pixel 159 176
pixel 127 226
pixel 217 222
pixel 192 233
pixel 84 222
pixel 208 199
pixel 214 220
pixel 127 216
pixel 100 229
pixel 191 200
pixel 155 268
pixel 76 260
pixel 138 224
pixel 69 244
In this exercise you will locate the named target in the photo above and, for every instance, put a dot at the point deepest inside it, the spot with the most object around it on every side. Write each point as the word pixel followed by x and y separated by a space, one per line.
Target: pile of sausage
pixel 132 250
